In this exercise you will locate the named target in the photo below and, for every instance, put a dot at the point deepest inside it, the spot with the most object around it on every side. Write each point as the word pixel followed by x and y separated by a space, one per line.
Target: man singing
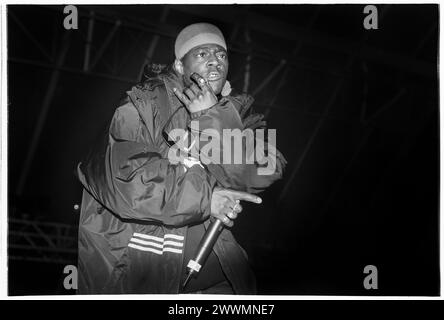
pixel 142 215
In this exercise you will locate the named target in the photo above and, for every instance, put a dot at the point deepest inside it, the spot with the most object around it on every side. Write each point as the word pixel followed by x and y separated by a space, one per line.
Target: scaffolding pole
pixel 106 43
pixel 44 110
pixel 352 58
pixel 89 39
pixel 40 241
pixel 153 44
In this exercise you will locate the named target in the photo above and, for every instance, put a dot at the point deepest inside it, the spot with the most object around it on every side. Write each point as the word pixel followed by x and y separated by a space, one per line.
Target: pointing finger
pixel 240 195
pixel 203 84
pixel 199 80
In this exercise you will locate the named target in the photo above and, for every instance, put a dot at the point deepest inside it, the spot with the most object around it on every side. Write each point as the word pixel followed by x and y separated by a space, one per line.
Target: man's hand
pixel 225 204
pixel 197 97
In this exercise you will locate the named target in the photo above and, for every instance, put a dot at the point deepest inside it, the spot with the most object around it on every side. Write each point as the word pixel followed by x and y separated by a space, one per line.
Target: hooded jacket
pixel 137 205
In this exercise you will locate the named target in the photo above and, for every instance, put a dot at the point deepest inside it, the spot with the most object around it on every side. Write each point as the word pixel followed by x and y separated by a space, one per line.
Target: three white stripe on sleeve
pixel 169 243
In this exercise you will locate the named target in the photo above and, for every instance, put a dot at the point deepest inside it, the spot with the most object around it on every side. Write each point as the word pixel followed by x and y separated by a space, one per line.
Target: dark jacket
pixel 136 205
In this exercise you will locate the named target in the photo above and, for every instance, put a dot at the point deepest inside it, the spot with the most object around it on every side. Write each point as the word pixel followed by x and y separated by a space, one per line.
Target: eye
pixel 222 56
pixel 202 54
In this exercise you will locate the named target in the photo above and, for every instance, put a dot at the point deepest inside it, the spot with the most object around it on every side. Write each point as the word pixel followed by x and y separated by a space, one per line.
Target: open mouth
pixel 214 76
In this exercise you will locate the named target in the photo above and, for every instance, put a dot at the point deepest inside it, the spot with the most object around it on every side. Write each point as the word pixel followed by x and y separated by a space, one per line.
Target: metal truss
pixel 39 241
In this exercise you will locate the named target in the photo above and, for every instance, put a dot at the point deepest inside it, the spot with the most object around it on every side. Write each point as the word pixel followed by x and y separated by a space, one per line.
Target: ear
pixel 178 66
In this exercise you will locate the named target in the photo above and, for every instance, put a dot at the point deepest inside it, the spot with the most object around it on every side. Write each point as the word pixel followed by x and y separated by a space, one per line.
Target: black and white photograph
pixel 250 149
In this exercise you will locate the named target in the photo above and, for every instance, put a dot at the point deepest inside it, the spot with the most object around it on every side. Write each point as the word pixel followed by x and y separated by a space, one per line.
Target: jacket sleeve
pixel 252 165
pixel 129 177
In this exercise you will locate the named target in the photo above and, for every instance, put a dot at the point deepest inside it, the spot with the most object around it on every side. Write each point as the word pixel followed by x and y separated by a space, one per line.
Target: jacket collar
pixel 172 80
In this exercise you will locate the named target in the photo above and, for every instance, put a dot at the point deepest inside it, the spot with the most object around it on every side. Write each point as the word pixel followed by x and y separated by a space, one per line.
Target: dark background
pixel 356 113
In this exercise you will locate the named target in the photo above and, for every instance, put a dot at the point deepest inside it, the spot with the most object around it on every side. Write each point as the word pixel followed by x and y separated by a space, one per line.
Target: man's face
pixel 210 61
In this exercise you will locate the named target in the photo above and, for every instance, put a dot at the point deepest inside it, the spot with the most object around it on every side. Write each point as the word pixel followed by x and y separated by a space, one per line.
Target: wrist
pixel 198 113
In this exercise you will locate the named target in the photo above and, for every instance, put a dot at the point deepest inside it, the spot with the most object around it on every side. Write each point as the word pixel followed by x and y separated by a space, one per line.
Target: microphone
pixel 205 247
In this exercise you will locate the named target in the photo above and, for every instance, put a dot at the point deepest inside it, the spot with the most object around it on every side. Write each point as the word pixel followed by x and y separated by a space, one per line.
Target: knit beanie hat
pixel 195 35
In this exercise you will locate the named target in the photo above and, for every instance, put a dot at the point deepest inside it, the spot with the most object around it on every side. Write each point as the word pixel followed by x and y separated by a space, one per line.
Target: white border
pixel 3 172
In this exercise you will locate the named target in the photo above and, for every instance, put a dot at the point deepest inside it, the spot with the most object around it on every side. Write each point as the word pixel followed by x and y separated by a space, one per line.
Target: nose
pixel 213 61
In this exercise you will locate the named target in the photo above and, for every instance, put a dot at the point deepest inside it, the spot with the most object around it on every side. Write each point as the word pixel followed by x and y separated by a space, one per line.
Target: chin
pixel 217 87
